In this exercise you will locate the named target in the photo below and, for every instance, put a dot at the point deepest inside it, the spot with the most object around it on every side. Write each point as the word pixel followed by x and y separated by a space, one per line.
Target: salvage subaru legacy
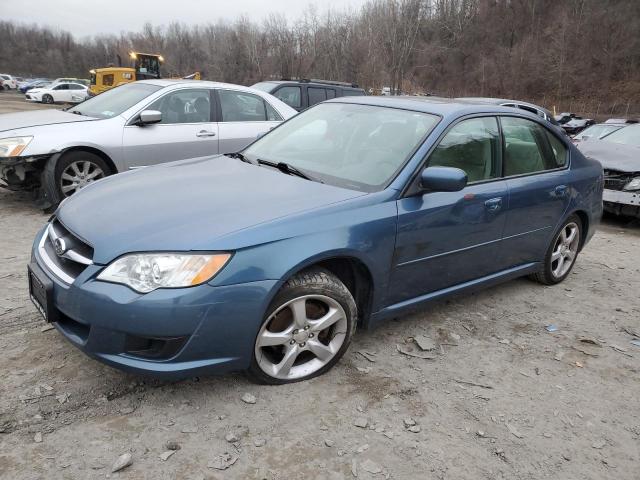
pixel 354 211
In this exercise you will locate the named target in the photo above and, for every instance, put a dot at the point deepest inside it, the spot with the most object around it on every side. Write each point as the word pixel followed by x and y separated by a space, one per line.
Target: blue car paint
pixel 416 248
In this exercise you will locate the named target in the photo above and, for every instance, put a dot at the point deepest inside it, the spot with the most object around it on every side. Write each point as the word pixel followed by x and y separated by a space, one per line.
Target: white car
pixel 8 82
pixel 59 93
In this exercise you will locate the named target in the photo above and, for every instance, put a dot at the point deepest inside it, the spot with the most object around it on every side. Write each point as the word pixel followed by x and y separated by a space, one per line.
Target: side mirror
pixel 443 179
pixel 149 117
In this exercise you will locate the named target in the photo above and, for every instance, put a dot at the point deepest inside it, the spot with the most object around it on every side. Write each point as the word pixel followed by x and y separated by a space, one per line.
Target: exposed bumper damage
pixel 616 199
pixel 32 174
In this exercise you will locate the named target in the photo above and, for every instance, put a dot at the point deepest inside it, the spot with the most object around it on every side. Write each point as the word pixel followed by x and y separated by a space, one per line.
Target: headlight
pixel 13 147
pixel 149 271
pixel 633 185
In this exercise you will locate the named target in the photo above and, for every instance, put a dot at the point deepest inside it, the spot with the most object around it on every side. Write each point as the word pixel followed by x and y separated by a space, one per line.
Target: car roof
pixel 312 83
pixel 168 82
pixel 434 105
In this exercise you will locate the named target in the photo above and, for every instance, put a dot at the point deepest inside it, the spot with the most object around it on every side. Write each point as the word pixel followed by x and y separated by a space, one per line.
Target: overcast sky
pixel 86 17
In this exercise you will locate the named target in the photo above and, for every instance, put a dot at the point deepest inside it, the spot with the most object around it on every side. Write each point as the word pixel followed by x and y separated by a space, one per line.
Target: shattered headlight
pixel 633 185
pixel 14 146
pixel 145 272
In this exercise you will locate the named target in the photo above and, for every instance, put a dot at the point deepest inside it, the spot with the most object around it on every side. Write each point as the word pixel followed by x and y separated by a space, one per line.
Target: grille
pixel 614 180
pixel 64 253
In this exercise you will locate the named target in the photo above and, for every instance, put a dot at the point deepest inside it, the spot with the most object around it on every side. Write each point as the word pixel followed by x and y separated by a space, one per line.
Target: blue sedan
pixel 355 211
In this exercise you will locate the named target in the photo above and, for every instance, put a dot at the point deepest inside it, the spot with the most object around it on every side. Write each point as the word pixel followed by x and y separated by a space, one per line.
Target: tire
pixel 77 169
pixel 291 348
pixel 561 250
pixel 48 99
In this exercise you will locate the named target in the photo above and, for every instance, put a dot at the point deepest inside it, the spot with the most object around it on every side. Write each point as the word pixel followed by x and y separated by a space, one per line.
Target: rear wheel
pixel 307 329
pixel 46 98
pixel 77 169
pixel 562 253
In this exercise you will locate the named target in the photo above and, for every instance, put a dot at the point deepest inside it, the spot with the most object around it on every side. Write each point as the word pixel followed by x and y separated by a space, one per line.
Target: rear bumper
pixel 168 333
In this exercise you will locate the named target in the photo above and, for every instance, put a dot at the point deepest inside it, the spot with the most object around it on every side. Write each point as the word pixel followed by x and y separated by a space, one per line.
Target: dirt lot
pixel 503 397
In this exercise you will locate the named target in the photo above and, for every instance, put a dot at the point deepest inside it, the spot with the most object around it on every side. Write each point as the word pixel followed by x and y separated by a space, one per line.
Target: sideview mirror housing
pixel 149 117
pixel 443 179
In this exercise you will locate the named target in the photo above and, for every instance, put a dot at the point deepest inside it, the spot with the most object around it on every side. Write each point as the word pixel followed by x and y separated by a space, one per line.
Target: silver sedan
pixel 134 125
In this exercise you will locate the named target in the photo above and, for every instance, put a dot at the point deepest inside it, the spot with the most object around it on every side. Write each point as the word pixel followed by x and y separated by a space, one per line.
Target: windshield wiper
pixel 289 170
pixel 76 112
pixel 240 156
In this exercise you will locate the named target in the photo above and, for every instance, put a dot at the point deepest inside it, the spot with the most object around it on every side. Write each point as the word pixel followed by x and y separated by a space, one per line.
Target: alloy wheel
pixel 78 175
pixel 565 249
pixel 300 337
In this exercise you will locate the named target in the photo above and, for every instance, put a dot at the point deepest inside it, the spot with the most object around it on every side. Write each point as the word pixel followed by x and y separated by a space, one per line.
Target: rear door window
pixel 529 147
pixel 242 107
pixel 289 95
pixel 316 95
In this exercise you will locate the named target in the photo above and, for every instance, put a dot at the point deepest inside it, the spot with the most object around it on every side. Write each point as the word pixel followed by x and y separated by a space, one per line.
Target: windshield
pixel 115 101
pixel 597 131
pixel 360 147
pixel 628 135
pixel 264 86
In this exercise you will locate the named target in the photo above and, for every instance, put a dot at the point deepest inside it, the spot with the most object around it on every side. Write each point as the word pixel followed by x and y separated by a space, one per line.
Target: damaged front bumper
pixel 617 197
pixel 22 173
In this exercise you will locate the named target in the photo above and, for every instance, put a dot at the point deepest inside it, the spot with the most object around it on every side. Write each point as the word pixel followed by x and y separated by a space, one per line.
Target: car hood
pixel 188 205
pixel 612 156
pixel 36 118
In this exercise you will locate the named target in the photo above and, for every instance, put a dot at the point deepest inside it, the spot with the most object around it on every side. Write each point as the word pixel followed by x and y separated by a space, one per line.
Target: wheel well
pixel 356 277
pixel 584 219
pixel 95 151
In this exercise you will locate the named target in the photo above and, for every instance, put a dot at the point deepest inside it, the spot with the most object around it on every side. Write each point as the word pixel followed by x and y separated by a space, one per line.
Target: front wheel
pixel 307 329
pixel 562 253
pixel 46 98
pixel 77 169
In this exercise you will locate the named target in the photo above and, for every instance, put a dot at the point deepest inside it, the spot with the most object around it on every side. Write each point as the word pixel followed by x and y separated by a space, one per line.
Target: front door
pixel 187 130
pixel 539 188
pixel 244 117
pixel 448 238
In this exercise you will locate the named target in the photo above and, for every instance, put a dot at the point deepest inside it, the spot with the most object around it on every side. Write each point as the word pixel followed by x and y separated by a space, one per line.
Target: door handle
pixel 560 191
pixel 205 133
pixel 493 204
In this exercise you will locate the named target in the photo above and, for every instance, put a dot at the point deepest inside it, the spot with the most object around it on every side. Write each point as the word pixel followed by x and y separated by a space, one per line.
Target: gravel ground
pixel 501 398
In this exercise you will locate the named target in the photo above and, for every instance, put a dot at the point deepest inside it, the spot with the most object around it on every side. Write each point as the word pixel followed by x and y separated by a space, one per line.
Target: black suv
pixel 301 94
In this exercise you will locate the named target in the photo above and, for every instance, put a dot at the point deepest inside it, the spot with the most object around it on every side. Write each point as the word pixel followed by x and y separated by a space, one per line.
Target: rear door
pixel 291 95
pixel 61 93
pixel 316 95
pixel 243 117
pixel 448 238
pixel 535 168
pixel 187 130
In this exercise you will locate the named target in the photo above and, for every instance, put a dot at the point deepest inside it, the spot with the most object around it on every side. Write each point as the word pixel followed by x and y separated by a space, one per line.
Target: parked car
pixel 564 117
pixel 619 154
pixel 82 81
pixel 577 124
pixel 130 126
pixel 354 211
pixel 39 83
pixel 597 131
pixel 58 93
pixel 527 107
pixel 302 94
pixel 7 82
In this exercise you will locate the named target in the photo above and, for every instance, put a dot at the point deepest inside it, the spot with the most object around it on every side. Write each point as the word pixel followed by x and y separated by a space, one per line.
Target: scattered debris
pixel 363 369
pixel 406 351
pixel 231 437
pixel 425 343
pixel 222 462
pixel 190 429
pixel 122 462
pixel 361 422
pixel 362 448
pixel 586 352
pixel 164 456
pixel 559 356
pixel 37 437
pixel 62 398
pixel 590 341
pixel 473 384
pixel 259 442
pixel 599 444
pixel 172 445
pixel 367 355
pixel 248 398
pixel 621 350
pixel 371 467
pixel 328 443
pixel 409 422
pixel 47 327
pixel 448 338
pixel 505 341
pixel 579 365
pixel 354 468
pixel 514 431
pixel 631 331
pixel 551 328
pixel 414 429
pixel 635 343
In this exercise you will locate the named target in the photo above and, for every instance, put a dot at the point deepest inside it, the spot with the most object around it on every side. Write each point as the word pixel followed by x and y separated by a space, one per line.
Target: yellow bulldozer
pixel 145 66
